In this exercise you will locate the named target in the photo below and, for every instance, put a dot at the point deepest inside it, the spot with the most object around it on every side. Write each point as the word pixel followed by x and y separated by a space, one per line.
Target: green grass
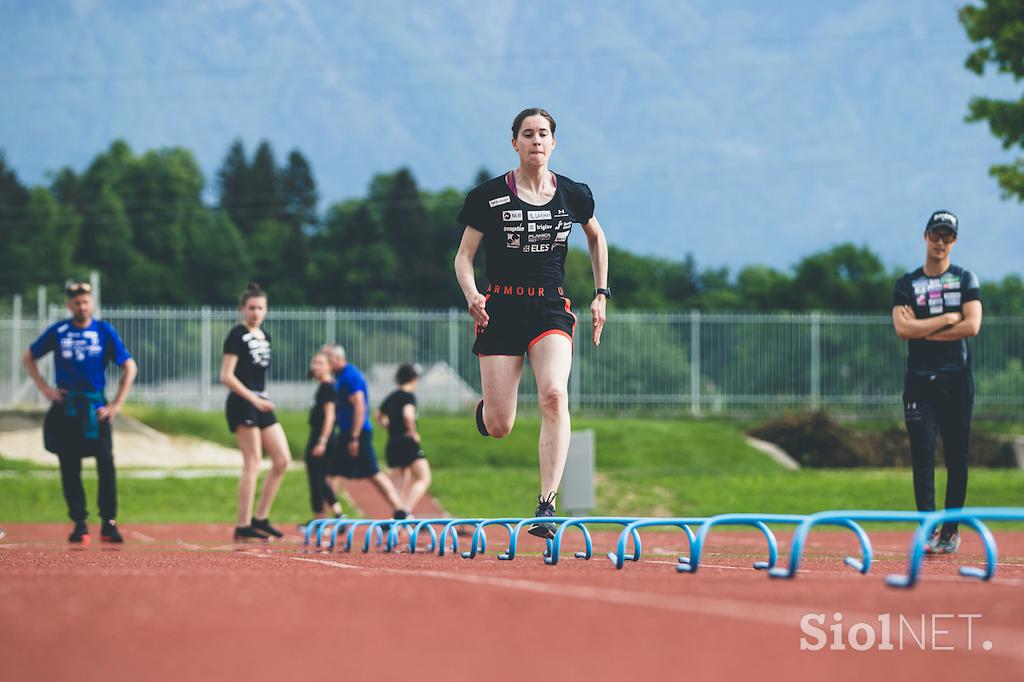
pixel 645 466
pixel 169 500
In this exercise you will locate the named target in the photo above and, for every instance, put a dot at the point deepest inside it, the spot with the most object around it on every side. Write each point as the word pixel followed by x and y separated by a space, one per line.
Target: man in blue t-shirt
pixel 936 308
pixel 356 456
pixel 78 422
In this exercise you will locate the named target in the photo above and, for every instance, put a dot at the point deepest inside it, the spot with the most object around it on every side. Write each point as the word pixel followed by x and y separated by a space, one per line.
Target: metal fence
pixel 702 363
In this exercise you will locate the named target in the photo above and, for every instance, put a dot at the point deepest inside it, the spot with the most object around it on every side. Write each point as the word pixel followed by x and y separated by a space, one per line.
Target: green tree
pixel 844 278
pixel 997 27
pixel 233 185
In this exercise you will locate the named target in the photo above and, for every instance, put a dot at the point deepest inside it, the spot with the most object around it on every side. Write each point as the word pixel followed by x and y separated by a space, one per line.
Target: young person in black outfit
pixel 523 219
pixel 78 422
pixel 937 308
pixel 404 451
pixel 250 416
pixel 321 424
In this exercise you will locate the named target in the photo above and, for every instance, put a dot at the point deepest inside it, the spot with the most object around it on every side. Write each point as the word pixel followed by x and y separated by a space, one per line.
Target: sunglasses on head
pixel 946 237
pixel 77 289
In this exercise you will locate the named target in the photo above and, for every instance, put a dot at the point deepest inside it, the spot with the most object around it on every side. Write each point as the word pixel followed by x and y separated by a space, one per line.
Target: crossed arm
pixel 947 327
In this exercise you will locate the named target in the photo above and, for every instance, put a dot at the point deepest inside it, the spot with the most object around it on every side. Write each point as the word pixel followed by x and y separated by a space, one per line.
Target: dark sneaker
pixel 545 507
pixel 80 535
pixel 400 514
pixel 931 544
pixel 263 525
pixel 110 533
pixel 480 426
pixel 949 543
pixel 247 533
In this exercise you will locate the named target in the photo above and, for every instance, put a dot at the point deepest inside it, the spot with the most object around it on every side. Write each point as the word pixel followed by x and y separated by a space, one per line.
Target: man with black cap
pixel 937 307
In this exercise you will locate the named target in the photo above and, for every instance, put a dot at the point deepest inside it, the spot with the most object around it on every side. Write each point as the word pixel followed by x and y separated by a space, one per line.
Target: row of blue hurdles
pixel 320 531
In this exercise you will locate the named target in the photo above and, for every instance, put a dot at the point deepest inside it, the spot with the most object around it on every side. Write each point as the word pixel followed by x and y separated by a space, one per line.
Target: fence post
pixel 205 361
pixel 453 355
pixel 15 345
pixel 575 371
pixel 695 362
pixel 94 280
pixel 815 360
pixel 330 324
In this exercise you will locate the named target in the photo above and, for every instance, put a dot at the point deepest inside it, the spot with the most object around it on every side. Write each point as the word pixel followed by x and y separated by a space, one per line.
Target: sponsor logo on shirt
pixel 512 241
pixel 538 215
pixel 561 236
pixel 561 213
pixel 922 300
pixel 934 285
pixel 514 228
pixel 532 227
pixel 499 201
pixel 536 248
pixel 259 349
pixel 542 237
pixel 935 309
pixel 511 216
pixel 952 298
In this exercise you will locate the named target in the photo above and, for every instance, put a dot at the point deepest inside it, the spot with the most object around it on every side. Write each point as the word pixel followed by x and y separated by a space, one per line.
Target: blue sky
pixel 743 131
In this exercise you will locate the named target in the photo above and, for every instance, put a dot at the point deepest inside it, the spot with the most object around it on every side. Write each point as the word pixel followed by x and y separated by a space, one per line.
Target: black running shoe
pixel 80 535
pixel 110 533
pixel 400 514
pixel 480 426
pixel 545 507
pixel 263 525
pixel 246 533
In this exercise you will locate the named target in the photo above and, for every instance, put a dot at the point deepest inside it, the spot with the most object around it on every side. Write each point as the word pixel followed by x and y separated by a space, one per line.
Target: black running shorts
pixel 240 412
pixel 341 463
pixel 402 451
pixel 520 316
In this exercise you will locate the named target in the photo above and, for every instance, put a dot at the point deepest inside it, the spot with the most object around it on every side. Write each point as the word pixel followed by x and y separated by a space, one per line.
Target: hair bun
pixel 253 286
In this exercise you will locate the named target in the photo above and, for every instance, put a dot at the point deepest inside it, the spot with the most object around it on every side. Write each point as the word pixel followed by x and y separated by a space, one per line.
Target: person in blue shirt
pixel 77 424
pixel 355 456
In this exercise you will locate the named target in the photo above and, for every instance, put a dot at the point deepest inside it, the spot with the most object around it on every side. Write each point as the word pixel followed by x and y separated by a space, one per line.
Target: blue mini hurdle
pixel 970 516
pixel 619 556
pixel 846 519
pixel 556 544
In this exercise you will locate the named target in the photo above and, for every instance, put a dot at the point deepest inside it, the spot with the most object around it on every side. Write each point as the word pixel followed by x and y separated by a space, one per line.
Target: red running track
pixel 178 603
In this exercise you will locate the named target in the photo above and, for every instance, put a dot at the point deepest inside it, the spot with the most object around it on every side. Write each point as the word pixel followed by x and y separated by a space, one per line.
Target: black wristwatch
pixel 607 292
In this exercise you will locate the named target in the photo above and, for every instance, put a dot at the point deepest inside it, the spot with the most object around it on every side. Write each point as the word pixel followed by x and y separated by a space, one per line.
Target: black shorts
pixel 520 316
pixel 343 464
pixel 402 451
pixel 240 412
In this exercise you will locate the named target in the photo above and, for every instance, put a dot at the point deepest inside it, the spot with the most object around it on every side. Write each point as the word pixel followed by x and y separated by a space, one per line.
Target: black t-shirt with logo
pixel 325 395
pixel 932 296
pixel 526 244
pixel 393 406
pixel 253 356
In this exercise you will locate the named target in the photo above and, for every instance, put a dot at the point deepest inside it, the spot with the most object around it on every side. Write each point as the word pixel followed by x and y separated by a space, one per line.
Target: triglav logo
pixel 935 632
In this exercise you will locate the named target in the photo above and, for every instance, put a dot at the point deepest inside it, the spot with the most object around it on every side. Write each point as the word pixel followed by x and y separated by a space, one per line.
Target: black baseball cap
pixel 942 219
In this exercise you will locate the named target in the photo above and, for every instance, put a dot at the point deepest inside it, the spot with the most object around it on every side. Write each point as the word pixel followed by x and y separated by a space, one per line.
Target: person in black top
pixel 250 415
pixel 523 219
pixel 404 451
pixel 321 424
pixel 937 307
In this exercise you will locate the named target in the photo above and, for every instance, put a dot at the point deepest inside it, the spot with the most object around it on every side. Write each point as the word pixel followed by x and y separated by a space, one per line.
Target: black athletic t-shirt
pixel 325 394
pixel 392 407
pixel 526 244
pixel 931 296
pixel 253 356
